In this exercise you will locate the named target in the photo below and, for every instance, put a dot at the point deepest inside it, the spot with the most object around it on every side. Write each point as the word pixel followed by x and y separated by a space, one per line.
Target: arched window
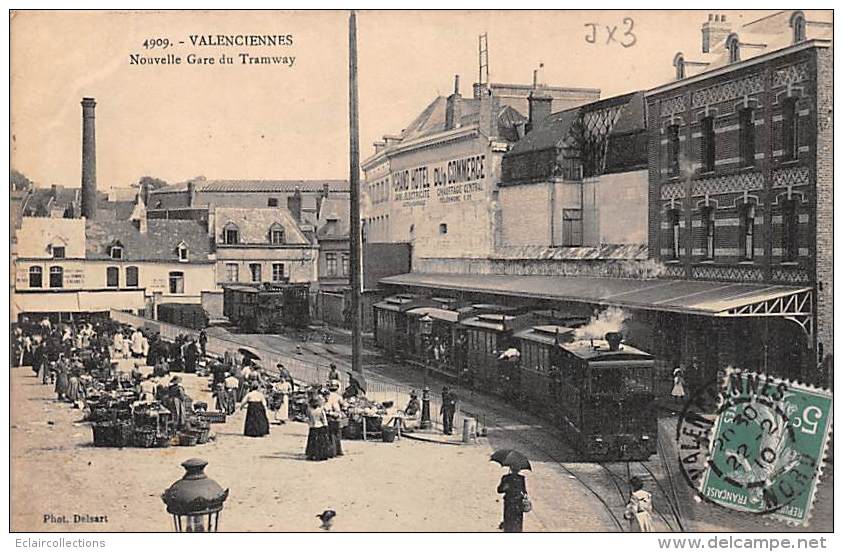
pixel 56 277
pixel 276 234
pixel 734 47
pixel 230 234
pixel 183 252
pixel 797 23
pixel 35 276
pixel 679 63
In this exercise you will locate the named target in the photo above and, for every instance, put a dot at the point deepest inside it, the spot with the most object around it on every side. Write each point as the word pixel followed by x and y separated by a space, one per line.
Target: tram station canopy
pixel 730 299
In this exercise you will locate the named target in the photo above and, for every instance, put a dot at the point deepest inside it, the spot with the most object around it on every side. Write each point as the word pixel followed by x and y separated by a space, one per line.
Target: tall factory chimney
pixel 89 159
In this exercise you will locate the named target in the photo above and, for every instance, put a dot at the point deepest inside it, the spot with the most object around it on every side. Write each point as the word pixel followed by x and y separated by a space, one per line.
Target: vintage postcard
pixel 422 271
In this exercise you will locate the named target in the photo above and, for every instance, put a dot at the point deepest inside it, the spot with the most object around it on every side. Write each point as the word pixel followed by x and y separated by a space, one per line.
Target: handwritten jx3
pixel 623 36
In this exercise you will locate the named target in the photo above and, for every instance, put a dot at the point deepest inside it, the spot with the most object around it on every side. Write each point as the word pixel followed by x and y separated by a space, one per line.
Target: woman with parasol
pixel 513 486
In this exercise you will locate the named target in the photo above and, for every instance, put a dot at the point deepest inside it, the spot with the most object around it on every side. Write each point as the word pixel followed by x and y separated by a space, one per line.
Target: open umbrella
pixel 359 378
pixel 249 353
pixel 512 459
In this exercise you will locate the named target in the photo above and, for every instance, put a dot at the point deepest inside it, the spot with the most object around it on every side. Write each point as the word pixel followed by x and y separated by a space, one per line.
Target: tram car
pixel 268 308
pixel 598 391
pixel 391 323
pixel 486 337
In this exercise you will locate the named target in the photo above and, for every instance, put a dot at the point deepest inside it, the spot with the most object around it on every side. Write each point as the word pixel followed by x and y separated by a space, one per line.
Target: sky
pixel 177 122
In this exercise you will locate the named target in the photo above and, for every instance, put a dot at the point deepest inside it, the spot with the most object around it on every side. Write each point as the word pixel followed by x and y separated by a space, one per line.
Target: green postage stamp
pixel 768 445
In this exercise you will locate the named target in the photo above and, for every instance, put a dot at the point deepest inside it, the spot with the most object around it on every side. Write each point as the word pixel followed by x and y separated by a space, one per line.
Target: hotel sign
pixel 451 181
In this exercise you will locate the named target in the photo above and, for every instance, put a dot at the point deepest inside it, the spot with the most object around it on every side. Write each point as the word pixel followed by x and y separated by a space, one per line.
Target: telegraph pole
pixel 354 185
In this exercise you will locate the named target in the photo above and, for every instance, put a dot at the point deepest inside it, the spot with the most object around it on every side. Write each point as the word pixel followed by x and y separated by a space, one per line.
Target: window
pixel 277 272
pixel 790 234
pixel 255 271
pixel 571 227
pixel 734 47
pixel 116 252
pixel 747 138
pixel 443 228
pixel 272 202
pixel 673 150
pixel 276 234
pixel 331 263
pixel 176 282
pixel 747 244
pixel 183 252
pixel 707 145
pixel 58 252
pixel 675 228
pixel 132 276
pixel 230 235
pixel 708 228
pixel 345 264
pixel 232 272
pixel 56 277
pixel 797 21
pixel 790 130
pixel 35 276
pixel 112 276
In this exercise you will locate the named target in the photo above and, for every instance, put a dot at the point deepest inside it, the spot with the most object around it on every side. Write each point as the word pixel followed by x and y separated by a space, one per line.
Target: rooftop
pixel 159 243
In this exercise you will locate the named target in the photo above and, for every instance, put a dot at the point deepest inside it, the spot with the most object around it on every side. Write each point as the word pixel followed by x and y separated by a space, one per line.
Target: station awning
pixel 723 299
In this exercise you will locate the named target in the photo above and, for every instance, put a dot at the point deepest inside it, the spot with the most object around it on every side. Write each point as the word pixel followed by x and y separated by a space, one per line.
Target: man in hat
pixel 334 405
pixel 449 408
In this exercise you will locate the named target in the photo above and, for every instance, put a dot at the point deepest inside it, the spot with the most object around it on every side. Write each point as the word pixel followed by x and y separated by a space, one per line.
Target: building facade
pixel 740 175
pixel 435 184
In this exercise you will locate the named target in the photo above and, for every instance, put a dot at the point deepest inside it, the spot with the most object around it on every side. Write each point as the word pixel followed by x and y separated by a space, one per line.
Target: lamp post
pixel 195 501
pixel 426 330
pixel 425 416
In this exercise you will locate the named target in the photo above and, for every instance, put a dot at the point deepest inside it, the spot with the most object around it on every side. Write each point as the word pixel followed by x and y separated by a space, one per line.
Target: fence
pixel 311 371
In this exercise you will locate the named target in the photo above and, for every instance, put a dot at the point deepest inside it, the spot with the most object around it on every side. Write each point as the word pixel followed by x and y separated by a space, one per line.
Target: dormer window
pixel 230 234
pixel 797 23
pixel 276 234
pixel 183 252
pixel 58 252
pixel 679 64
pixel 733 45
pixel 116 252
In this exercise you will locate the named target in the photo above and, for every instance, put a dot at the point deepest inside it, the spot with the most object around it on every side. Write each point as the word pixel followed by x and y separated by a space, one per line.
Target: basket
pixel 145 438
pixel 202 435
pixel 187 439
pixel 212 416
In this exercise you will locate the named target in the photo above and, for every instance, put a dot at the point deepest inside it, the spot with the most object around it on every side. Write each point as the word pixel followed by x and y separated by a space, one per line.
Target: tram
pixel 268 308
pixel 599 392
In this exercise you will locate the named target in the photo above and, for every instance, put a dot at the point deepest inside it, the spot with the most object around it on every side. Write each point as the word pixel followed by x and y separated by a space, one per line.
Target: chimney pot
pixel 456 84
pixel 453 107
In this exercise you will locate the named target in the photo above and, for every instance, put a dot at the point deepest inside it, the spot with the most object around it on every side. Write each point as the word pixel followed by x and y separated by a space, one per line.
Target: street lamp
pixel 195 501
pixel 426 330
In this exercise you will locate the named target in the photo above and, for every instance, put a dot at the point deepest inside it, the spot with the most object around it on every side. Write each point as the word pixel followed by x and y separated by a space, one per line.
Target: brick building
pixel 740 185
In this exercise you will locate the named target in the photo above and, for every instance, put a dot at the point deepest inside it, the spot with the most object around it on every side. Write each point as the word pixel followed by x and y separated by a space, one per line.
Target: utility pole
pixel 354 185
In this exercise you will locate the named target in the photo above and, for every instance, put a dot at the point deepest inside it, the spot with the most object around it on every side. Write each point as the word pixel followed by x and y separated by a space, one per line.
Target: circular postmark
pixel 739 446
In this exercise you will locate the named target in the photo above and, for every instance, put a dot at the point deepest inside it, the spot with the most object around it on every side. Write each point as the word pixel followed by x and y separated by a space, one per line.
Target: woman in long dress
pixel 318 442
pixel 639 509
pixel 678 391
pixel 117 345
pixel 513 486
pixel 257 424
pixel 176 397
pixel 61 378
pixel 284 388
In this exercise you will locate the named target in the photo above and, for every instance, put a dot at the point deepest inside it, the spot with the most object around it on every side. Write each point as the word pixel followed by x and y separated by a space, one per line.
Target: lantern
pixel 195 501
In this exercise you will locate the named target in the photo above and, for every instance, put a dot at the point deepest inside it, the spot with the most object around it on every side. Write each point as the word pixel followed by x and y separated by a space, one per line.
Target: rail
pixel 311 371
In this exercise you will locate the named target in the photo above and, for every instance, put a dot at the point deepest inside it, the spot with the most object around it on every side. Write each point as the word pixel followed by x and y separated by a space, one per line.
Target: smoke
pixel 610 320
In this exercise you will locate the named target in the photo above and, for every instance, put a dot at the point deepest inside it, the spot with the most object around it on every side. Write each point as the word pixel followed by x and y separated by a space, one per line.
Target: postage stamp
pixel 767 446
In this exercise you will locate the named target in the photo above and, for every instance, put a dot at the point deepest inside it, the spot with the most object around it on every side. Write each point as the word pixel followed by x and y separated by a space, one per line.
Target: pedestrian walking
pixel 232 385
pixel 203 343
pixel 678 391
pixel 448 409
pixel 284 389
pixel 257 424
pixel 639 509
pixel 513 487
pixel 61 377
